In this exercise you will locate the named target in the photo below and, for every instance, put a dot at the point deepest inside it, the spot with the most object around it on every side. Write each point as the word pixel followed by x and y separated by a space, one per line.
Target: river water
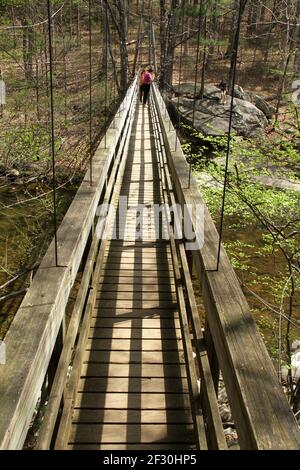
pixel 25 233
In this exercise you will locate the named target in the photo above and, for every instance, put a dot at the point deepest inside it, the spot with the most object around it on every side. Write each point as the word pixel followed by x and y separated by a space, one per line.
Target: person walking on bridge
pixel 141 83
pixel 147 80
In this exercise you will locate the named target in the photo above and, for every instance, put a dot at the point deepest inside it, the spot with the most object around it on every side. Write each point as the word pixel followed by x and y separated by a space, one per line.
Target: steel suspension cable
pixel 106 67
pixel 235 55
pixel 90 94
pixel 179 79
pixel 197 65
pixel 52 131
pixel 195 81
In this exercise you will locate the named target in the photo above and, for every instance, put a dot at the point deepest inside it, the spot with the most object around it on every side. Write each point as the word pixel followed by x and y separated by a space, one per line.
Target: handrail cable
pixel 235 54
pixel 90 93
pixel 52 135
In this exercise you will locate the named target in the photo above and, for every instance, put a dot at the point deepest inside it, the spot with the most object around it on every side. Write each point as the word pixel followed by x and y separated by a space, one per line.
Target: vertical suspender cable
pixel 235 54
pixel 90 97
pixel 179 78
pixel 149 33
pixel 195 81
pixel 106 67
pixel 52 138
pixel 197 64
pixel 143 34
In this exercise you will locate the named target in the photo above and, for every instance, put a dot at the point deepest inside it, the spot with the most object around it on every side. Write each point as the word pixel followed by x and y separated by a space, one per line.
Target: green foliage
pixel 207 8
pixel 26 145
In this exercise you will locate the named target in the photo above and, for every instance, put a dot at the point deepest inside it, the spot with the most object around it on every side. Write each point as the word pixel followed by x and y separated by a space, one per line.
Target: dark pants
pixel 141 93
pixel 145 92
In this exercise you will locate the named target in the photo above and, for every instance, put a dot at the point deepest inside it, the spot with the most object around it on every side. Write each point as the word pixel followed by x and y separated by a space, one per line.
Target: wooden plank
pixel 137 289
pixel 136 296
pixel 139 269
pixel 137 304
pixel 159 250
pixel 145 401
pixel 134 357
pixel 131 433
pixel 145 323
pixel 158 245
pixel 130 416
pixel 129 312
pixel 150 258
pixel 134 344
pixel 132 385
pixel 122 271
pixel 134 370
pixel 109 280
pixel 125 252
pixel 147 447
pixel 134 333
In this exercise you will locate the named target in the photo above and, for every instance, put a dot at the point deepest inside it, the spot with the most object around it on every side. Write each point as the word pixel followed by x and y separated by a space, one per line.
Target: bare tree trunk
pixel 137 48
pixel 37 89
pixel 163 41
pixel 154 46
pixel 78 30
pixel 123 46
pixel 119 18
pixel 203 60
pixel 112 58
pixel 213 35
pixel 28 43
pixel 232 42
pixel 271 27
pixel 171 45
pixel 235 38
pixel 282 86
pixel 103 59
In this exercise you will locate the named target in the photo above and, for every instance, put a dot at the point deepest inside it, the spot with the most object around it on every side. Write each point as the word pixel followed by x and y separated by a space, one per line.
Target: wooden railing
pixel 37 345
pixel 261 413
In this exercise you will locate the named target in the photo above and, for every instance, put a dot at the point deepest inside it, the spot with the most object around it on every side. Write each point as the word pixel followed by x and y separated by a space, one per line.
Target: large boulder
pixel 212 118
pixel 262 105
pixel 211 91
pixel 240 93
pixel 190 91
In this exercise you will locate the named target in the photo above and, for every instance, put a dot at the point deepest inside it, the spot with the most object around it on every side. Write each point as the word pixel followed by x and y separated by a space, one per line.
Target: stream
pixel 25 233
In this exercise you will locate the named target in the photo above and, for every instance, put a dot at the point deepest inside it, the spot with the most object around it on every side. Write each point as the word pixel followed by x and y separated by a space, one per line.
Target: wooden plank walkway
pixel 133 387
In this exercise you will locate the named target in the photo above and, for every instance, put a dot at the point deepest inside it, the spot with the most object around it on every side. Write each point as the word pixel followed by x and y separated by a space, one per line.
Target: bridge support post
pixel 190 261
pixel 212 357
pixel 56 354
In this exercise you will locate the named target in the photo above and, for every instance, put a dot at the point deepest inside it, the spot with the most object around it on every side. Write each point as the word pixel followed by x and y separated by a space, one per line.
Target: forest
pixel 72 90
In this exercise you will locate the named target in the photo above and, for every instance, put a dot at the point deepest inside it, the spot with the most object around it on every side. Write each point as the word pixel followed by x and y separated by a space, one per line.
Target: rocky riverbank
pixel 208 115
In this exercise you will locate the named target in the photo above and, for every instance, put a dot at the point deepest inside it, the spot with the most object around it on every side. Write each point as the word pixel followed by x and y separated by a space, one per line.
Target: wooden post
pixel 56 355
pixel 212 357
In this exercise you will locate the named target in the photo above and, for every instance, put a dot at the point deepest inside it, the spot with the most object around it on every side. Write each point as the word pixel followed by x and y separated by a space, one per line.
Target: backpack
pixel 147 78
